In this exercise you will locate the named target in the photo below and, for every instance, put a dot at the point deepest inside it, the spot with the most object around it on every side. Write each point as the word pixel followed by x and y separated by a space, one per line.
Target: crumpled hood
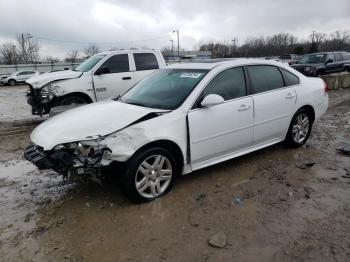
pixel 88 122
pixel 41 80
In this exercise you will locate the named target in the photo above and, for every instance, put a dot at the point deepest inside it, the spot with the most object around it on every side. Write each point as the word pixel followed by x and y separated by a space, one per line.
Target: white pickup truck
pixel 101 76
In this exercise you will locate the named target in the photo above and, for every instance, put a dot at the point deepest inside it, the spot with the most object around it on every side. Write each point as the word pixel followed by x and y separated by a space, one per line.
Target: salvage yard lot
pixel 276 204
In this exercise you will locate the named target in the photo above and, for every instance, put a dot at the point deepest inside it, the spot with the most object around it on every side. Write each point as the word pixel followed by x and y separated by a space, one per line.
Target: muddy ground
pixel 277 204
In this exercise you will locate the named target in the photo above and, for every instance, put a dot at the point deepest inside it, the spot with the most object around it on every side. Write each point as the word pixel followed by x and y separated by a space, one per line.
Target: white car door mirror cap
pixel 212 100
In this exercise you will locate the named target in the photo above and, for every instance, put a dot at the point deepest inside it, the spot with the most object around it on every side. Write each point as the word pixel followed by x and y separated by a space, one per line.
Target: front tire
pixel 299 128
pixel 71 100
pixel 12 82
pixel 149 174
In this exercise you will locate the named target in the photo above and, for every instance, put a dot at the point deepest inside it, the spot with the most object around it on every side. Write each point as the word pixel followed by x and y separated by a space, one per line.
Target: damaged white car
pixel 180 119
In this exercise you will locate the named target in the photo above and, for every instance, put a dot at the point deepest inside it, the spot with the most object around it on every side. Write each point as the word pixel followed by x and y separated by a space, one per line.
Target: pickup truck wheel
pixel 12 82
pixel 69 100
pixel 148 175
pixel 299 128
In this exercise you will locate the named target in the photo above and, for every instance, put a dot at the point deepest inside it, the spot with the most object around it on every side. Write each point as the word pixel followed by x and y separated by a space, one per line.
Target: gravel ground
pixel 277 204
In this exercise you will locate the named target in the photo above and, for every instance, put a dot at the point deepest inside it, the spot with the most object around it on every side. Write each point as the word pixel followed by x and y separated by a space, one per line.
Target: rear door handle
pixel 126 78
pixel 243 107
pixel 290 96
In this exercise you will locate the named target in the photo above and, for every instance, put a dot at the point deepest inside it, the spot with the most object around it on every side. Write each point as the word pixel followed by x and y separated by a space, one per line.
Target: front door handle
pixel 290 96
pixel 126 78
pixel 243 107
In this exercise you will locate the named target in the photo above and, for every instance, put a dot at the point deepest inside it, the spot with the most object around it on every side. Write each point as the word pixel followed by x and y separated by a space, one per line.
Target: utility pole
pixel 313 36
pixel 172 47
pixel 178 43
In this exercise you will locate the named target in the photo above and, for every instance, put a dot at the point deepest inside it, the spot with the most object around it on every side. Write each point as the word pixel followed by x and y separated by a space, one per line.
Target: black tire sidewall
pixel 63 101
pixel 289 138
pixel 128 179
pixel 12 82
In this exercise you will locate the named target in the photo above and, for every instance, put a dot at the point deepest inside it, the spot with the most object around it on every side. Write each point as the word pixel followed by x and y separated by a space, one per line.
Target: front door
pixel 224 128
pixel 115 78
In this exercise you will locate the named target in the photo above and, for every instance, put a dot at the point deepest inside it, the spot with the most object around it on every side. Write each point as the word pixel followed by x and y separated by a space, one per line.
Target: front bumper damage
pixel 68 162
pixel 39 101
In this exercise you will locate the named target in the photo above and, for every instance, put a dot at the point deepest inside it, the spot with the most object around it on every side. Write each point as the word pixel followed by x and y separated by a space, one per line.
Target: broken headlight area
pixel 72 159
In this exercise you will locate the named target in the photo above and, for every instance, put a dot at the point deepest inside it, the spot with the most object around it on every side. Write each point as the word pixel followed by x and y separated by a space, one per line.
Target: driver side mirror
pixel 212 100
pixel 102 71
pixel 329 61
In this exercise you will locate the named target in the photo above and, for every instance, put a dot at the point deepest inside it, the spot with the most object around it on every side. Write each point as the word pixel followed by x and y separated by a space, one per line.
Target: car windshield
pixel 312 59
pixel 165 88
pixel 89 63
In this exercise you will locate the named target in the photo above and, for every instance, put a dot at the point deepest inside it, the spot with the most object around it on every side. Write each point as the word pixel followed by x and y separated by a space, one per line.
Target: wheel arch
pixel 169 145
pixel 79 94
pixel 310 109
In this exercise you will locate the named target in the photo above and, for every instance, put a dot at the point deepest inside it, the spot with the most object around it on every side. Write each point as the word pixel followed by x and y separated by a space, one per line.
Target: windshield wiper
pixel 117 98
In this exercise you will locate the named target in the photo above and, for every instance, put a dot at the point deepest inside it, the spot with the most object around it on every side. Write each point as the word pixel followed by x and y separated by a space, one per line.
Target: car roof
pixel 211 63
pixel 123 51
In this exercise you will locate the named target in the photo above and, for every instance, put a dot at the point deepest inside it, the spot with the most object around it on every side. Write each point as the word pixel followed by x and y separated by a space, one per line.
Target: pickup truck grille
pixel 301 69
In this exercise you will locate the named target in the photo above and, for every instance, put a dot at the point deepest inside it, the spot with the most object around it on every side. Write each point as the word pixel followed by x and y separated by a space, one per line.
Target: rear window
pixel 289 78
pixel 145 61
pixel 265 78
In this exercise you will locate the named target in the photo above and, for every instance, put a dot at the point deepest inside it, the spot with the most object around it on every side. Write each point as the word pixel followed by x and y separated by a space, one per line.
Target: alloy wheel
pixel 153 176
pixel 301 128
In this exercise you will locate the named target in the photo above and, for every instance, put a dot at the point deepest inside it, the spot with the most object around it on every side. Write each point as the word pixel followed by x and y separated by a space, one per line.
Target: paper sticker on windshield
pixel 191 75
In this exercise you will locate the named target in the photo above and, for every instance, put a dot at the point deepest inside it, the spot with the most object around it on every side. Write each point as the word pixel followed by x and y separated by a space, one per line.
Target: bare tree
pixel 72 56
pixel 9 53
pixel 91 50
pixel 28 49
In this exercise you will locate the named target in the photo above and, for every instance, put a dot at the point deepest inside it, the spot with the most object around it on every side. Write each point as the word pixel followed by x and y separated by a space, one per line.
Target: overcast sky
pixel 60 26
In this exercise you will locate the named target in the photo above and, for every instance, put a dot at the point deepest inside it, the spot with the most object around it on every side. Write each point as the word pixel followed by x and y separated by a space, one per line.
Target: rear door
pixel 274 101
pixel 145 64
pixel 117 78
pixel 224 128
pixel 331 63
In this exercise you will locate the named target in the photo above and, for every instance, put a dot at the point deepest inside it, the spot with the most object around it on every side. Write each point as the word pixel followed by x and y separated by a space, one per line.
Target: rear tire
pixel 70 100
pixel 12 82
pixel 299 129
pixel 149 174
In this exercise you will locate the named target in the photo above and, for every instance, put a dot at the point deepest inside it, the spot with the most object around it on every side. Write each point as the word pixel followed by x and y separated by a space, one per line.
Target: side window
pixel 265 78
pixel 289 78
pixel 117 64
pixel 337 57
pixel 330 57
pixel 229 84
pixel 145 61
pixel 346 56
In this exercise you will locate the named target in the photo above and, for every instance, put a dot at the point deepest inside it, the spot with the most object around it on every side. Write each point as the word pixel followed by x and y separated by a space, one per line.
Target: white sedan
pixel 18 77
pixel 179 119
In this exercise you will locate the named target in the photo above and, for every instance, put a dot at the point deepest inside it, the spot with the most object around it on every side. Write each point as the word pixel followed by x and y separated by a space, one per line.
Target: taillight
pixel 325 87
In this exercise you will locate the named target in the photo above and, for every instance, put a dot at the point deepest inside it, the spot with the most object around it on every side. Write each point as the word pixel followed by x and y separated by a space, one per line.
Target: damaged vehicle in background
pixel 101 76
pixel 179 119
